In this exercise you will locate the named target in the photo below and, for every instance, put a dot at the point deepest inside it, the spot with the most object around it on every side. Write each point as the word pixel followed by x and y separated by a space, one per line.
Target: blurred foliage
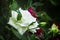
pixel 54 2
pixel 1 37
pixel 13 5
pixel 24 4
pixel 47 11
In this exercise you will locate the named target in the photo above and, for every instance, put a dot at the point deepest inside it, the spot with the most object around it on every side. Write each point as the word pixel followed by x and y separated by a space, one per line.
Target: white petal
pixel 34 25
pixel 22 30
pixel 22 23
pixel 12 23
pixel 26 16
pixel 26 20
pixel 14 14
pixel 33 30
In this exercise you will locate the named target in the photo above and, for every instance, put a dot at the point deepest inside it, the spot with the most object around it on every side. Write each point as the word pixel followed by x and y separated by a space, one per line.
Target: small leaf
pixel 16 33
pixel 43 15
pixel 14 5
pixel 38 4
pixel 1 37
pixel 54 2
pixel 34 37
pixel 19 16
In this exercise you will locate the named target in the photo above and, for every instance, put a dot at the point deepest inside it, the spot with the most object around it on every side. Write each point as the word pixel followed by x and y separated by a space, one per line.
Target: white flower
pixel 33 27
pixel 24 24
pixel 27 17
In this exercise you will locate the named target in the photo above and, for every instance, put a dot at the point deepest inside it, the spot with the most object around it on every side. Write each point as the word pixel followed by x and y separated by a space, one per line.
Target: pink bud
pixel 39 34
pixel 39 31
pixel 33 13
pixel 57 39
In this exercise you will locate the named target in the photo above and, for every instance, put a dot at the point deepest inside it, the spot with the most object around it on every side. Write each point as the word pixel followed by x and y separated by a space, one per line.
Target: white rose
pixel 24 24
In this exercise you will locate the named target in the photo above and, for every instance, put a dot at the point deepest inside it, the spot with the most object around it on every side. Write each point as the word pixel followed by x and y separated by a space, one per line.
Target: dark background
pixel 52 10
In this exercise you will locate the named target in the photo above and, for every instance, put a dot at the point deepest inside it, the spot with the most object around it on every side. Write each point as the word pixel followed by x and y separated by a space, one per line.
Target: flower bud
pixel 33 13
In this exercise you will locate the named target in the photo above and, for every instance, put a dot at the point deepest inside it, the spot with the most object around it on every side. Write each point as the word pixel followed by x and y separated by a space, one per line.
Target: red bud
pixel 39 31
pixel 33 13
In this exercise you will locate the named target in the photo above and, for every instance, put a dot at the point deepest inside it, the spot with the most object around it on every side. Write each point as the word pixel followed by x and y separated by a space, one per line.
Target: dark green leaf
pixel 19 16
pixel 1 37
pixel 16 33
pixel 24 4
pixel 54 2
pixel 14 5
pixel 38 4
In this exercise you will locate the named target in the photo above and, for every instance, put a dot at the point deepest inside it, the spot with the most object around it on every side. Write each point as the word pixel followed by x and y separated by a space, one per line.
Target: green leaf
pixel 24 4
pixel 14 5
pixel 28 36
pixel 1 37
pixel 44 16
pixel 34 37
pixel 54 2
pixel 37 4
pixel 19 16
pixel 16 33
